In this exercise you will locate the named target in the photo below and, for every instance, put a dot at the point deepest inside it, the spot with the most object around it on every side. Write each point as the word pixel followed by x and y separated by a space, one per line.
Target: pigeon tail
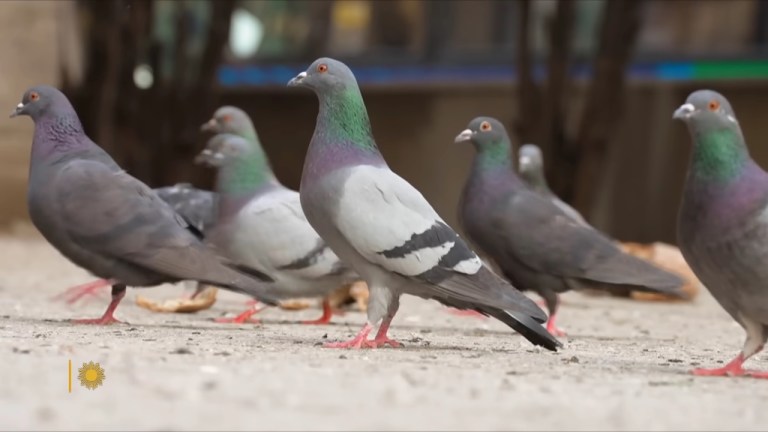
pixel 626 270
pixel 528 327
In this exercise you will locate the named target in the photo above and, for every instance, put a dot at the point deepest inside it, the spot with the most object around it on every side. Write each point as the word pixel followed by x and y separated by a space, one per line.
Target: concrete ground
pixel 624 366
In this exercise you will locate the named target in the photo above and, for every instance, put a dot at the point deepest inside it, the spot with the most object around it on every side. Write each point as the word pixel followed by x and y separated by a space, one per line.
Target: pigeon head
pixel 222 150
pixel 325 75
pixel 40 100
pixel 530 158
pixel 229 120
pixel 706 110
pixel 484 133
pixel 491 141
pixel 719 151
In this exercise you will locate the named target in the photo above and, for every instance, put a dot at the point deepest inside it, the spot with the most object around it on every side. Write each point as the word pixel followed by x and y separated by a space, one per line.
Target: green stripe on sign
pixel 731 69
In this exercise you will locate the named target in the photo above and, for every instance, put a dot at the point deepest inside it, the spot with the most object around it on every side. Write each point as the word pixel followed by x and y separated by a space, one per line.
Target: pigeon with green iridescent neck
pixel 260 222
pixel 538 246
pixel 384 228
pixel 531 169
pixel 106 221
pixel 722 224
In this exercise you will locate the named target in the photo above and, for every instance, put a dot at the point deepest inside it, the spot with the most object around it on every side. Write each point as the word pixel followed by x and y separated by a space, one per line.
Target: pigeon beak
pixel 684 112
pixel 18 111
pixel 464 136
pixel 203 157
pixel 209 126
pixel 297 80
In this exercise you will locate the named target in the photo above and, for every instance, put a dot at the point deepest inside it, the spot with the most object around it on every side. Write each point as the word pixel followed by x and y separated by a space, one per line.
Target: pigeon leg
pixel 382 338
pixel 733 368
pixel 552 301
pixel 74 294
pixel 752 346
pixel 243 317
pixel 327 314
pixel 252 302
pixel 118 292
pixel 357 342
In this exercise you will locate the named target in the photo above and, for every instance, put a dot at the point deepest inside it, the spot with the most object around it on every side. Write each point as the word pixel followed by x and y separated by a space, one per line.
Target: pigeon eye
pixel 226 118
pixel 322 68
pixel 485 126
pixel 714 105
pixel 34 96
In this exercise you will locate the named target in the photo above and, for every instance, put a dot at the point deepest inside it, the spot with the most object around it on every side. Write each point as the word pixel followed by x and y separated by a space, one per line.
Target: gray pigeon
pixel 195 206
pixel 108 222
pixel 722 226
pixel 261 223
pixel 384 228
pixel 532 171
pixel 538 246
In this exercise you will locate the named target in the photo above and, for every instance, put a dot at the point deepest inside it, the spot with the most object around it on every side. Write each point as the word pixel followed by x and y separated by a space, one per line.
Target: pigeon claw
pixel 732 369
pixel 357 342
pixel 105 320
pixel 553 329
pixel 242 318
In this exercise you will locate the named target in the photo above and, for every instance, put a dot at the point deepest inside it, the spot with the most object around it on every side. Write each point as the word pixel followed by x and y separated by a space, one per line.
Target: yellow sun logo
pixel 91 375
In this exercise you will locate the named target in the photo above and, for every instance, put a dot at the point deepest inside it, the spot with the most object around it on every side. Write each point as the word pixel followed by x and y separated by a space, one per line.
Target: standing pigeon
pixel 261 223
pixel 106 221
pixel 532 171
pixel 195 206
pixel 537 245
pixel 722 226
pixel 384 228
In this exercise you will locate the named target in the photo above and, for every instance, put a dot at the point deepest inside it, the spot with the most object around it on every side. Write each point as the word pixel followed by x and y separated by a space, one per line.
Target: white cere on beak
pixel 684 111
pixel 465 135
pixel 525 160
pixel 20 105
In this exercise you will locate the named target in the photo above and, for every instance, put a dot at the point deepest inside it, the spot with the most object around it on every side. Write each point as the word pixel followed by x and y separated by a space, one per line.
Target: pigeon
pixel 195 206
pixel 535 243
pixel 384 227
pixel 532 171
pixel 108 222
pixel 722 229
pixel 261 223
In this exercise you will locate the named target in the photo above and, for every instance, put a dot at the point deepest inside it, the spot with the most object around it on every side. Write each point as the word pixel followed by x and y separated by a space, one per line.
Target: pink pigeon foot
pixel 75 293
pixel 382 338
pixel 118 292
pixel 732 369
pixel 242 318
pixel 325 318
pixel 552 328
pixel 357 342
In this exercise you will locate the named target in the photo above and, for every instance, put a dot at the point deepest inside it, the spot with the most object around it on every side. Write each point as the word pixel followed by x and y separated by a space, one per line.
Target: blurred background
pixel 593 82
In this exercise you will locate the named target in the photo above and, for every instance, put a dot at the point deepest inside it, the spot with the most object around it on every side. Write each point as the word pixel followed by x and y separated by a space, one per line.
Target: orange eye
pixel 34 96
pixel 322 68
pixel 226 118
pixel 714 105
pixel 485 126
